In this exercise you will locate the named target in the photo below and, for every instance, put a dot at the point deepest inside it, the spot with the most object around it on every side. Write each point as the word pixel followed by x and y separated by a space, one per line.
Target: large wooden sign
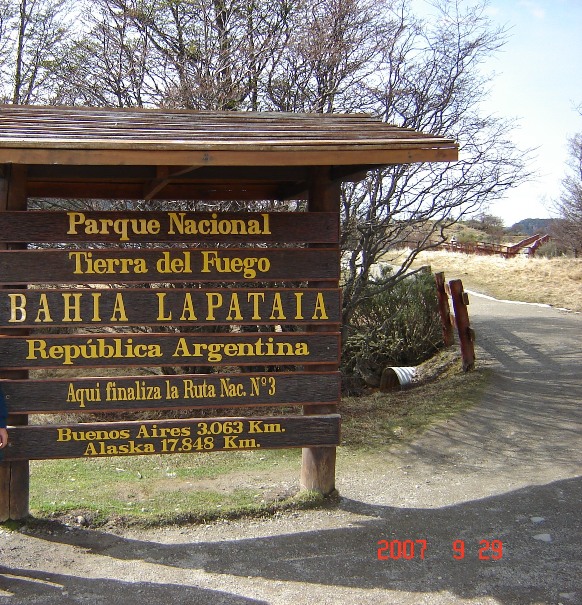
pixel 170 306
pixel 247 312
pixel 135 227
pixel 168 265
pixel 187 391
pixel 172 436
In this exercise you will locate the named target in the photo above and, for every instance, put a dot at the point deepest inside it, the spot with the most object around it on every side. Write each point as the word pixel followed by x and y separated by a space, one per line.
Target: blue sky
pixel 539 82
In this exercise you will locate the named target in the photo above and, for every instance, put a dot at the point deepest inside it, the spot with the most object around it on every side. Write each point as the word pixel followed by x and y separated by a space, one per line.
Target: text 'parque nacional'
pixel 137 226
pixel 177 224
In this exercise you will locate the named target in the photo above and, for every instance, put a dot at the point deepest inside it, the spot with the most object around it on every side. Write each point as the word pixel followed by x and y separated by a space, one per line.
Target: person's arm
pixel 3 416
pixel 3 437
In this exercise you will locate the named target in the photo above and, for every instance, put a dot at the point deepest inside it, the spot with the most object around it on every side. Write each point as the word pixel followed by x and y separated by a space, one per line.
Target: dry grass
pixel 379 421
pixel 554 281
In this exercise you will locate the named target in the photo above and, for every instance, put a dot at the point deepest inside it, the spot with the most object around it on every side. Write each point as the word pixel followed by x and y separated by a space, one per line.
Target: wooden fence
pixel 527 247
pixel 459 318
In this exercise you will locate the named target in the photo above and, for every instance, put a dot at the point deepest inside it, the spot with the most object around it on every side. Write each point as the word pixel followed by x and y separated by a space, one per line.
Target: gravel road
pixel 501 481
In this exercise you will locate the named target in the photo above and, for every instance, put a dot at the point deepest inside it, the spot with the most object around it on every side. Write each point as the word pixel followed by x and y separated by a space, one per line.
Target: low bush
pixel 553 249
pixel 398 326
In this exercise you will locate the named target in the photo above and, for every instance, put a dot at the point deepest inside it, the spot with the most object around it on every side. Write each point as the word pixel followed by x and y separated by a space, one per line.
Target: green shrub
pixel 553 249
pixel 398 326
pixel 467 237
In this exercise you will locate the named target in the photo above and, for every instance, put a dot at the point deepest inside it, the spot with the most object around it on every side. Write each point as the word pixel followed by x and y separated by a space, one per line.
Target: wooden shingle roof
pixel 135 146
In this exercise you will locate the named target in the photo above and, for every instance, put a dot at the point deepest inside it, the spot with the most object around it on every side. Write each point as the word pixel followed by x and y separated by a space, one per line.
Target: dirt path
pixel 507 470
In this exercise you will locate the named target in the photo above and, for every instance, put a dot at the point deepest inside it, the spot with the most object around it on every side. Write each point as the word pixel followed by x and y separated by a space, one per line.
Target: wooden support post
pixel 14 476
pixel 318 463
pixel 444 309
pixel 466 333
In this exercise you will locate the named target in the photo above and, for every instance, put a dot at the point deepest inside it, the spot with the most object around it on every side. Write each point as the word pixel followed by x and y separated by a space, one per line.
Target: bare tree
pixel 568 228
pixel 317 56
pixel 417 73
pixel 108 63
pixel 332 48
pixel 32 35
pixel 206 54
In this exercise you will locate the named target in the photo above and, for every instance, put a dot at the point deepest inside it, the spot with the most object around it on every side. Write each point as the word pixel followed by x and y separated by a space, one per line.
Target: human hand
pixel 3 437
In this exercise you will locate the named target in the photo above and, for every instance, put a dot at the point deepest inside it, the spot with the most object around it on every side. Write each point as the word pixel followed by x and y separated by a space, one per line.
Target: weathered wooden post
pixel 14 476
pixel 444 309
pixel 318 464
pixel 466 333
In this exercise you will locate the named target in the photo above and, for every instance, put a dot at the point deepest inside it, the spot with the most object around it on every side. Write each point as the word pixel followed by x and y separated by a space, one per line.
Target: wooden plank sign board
pixel 137 226
pixel 187 391
pixel 140 350
pixel 201 435
pixel 220 291
pixel 168 265
pixel 171 306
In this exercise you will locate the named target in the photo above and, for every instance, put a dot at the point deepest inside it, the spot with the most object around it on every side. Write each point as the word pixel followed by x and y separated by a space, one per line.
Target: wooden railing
pixel 527 246
pixel 459 318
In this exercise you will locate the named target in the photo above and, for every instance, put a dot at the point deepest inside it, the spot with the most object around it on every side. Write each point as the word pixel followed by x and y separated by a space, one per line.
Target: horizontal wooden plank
pixel 204 175
pixel 186 349
pixel 135 393
pixel 167 306
pixel 330 155
pixel 198 435
pixel 172 265
pixel 217 183
pixel 135 227
pixel 209 133
pixel 219 191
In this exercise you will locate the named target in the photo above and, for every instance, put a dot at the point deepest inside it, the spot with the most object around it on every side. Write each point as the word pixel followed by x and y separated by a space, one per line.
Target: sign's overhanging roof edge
pixel 44 135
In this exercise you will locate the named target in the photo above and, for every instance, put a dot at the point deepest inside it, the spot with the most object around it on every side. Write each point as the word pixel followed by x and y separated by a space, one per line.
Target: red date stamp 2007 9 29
pixel 489 550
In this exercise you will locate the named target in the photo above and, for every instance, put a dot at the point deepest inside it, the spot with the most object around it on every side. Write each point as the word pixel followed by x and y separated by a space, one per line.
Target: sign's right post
pixel 318 463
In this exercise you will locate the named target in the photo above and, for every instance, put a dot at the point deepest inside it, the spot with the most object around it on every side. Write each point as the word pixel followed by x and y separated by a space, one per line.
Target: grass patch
pixel 379 421
pixel 160 489
pixel 553 281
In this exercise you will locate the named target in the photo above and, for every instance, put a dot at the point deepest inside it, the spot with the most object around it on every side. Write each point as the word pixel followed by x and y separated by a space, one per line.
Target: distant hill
pixel 529 226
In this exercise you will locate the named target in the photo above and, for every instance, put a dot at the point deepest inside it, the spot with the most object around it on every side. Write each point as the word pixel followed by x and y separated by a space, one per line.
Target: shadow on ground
pixel 49 588
pixel 531 570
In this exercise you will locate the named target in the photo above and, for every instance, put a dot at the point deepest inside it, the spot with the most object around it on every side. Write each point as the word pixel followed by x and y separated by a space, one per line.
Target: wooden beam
pixel 143 174
pixel 326 156
pixel 149 437
pixel 318 464
pixel 192 392
pixel 183 265
pixel 209 191
pixel 169 226
pixel 165 176
pixel 14 476
pixel 99 307
pixel 444 309
pixel 466 333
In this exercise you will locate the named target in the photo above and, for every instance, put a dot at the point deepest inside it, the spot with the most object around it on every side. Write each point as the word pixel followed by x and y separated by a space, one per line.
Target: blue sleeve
pixel 3 410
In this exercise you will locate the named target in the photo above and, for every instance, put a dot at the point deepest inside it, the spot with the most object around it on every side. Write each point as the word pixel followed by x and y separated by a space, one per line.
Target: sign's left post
pixel 14 476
